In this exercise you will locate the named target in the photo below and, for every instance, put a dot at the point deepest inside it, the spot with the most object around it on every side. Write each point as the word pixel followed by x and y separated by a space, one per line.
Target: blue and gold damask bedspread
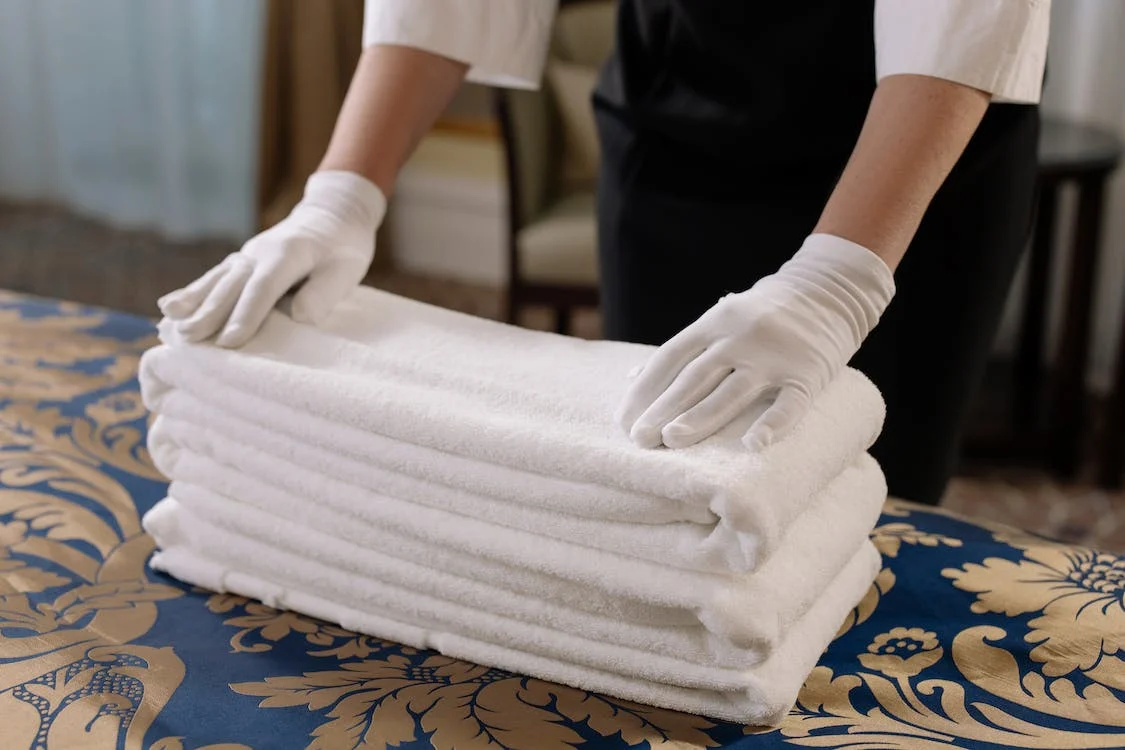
pixel 973 636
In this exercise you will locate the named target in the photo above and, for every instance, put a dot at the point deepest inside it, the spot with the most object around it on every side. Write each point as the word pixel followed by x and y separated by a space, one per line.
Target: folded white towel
pixel 745 611
pixel 459 484
pixel 185 421
pixel 513 415
pixel 677 655
pixel 219 558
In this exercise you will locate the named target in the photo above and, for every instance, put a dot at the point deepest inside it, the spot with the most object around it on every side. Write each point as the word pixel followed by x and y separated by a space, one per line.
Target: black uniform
pixel 725 125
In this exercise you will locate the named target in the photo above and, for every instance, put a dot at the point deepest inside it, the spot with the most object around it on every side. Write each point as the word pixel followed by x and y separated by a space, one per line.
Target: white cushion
pixel 561 245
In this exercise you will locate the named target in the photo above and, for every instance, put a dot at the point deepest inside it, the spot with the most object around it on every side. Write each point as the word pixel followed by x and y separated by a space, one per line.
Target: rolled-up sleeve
pixel 998 46
pixel 504 42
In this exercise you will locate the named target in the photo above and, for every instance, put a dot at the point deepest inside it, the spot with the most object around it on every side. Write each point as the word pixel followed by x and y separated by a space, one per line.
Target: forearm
pixel 916 129
pixel 394 98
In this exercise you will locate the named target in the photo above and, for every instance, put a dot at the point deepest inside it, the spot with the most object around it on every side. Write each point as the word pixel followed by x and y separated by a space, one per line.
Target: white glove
pixel 788 336
pixel 327 241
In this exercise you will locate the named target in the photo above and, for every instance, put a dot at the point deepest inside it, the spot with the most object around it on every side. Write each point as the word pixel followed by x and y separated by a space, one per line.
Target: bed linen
pixel 974 636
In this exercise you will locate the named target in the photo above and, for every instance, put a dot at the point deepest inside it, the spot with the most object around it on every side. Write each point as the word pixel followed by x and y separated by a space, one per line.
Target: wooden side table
pixel 1069 153
pixel 1111 453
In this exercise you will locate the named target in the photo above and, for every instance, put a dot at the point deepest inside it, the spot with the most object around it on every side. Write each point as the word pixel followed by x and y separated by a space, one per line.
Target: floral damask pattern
pixel 74 594
pixel 889 538
pixel 973 635
pixel 1077 597
pixel 902 652
pixel 381 694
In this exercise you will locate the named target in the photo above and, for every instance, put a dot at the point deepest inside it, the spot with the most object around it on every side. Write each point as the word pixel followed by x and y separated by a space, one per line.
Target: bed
pixel 974 635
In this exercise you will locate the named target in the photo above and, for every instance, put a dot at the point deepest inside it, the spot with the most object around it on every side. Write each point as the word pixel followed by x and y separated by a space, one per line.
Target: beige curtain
pixel 311 52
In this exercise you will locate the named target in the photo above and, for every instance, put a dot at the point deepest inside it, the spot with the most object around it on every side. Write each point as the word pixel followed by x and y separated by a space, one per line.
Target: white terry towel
pixel 602 582
pixel 680 655
pixel 221 559
pixel 511 414
pixel 187 422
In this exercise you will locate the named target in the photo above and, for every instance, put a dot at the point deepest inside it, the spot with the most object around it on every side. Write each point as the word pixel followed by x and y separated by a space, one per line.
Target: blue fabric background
pixel 975 635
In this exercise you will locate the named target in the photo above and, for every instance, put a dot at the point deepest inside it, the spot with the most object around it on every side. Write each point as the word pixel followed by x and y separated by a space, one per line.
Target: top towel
pixel 511 414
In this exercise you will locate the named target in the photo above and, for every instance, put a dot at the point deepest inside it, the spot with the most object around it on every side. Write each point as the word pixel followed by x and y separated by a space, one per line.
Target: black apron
pixel 725 125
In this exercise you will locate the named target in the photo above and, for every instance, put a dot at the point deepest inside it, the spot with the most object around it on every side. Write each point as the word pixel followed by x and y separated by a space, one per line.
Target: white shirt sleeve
pixel 998 46
pixel 504 42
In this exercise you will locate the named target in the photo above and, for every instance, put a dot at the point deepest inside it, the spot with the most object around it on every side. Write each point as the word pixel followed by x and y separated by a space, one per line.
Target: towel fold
pixel 187 422
pixel 454 483
pixel 222 559
pixel 511 414
pixel 739 612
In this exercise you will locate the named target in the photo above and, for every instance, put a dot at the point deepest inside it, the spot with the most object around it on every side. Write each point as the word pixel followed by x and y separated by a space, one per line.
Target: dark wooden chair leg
pixel 1068 398
pixel 562 320
pixel 511 311
pixel 1029 356
pixel 1111 452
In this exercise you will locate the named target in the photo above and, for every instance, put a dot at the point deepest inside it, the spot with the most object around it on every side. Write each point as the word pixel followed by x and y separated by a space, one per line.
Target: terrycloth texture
pixel 329 478
pixel 519 416
pixel 706 617
pixel 459 484
pixel 221 559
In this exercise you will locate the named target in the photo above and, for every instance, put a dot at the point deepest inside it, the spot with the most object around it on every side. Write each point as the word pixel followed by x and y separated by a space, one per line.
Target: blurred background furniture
pixel 552 155
pixel 1037 408
pixel 1111 453
pixel 1050 404
pixel 1085 157
pixel 448 216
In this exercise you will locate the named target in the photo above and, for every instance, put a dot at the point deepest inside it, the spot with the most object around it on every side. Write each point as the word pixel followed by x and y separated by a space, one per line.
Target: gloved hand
pixel 327 241
pixel 788 336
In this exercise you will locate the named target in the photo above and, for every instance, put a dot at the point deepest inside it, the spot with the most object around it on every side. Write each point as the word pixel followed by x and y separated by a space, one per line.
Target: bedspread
pixel 974 635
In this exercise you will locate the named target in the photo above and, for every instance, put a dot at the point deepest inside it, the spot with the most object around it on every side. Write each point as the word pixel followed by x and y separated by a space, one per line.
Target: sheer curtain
pixel 139 112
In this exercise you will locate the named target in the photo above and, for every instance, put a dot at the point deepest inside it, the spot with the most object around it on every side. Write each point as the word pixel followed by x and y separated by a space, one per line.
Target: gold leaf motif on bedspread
pixel 262 627
pixel 905 719
pixel 177 743
pixel 889 538
pixel 636 723
pixel 99 438
pixel 373 704
pixel 40 357
pixel 1078 597
pixel 74 589
pixel 77 680
pixel 1036 658
pixel 902 652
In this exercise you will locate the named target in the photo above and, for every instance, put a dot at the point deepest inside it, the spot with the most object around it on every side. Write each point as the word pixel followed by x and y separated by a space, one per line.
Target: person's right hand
pixel 327 241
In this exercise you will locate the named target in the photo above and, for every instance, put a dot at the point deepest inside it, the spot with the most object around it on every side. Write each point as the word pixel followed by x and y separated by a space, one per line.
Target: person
pixel 786 188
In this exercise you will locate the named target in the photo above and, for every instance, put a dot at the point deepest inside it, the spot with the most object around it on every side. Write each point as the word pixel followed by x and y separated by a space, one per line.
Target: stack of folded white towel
pixel 453 483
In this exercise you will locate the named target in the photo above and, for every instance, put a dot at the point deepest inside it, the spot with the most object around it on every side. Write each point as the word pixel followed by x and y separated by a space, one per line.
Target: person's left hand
pixel 788 336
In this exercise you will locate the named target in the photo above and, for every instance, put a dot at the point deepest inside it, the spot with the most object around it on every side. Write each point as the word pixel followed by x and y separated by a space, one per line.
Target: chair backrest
pixel 530 129
pixel 530 122
pixel 584 31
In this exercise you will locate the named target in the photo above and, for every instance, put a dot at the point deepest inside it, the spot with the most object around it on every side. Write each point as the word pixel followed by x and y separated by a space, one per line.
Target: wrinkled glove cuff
pixel 352 196
pixel 847 265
